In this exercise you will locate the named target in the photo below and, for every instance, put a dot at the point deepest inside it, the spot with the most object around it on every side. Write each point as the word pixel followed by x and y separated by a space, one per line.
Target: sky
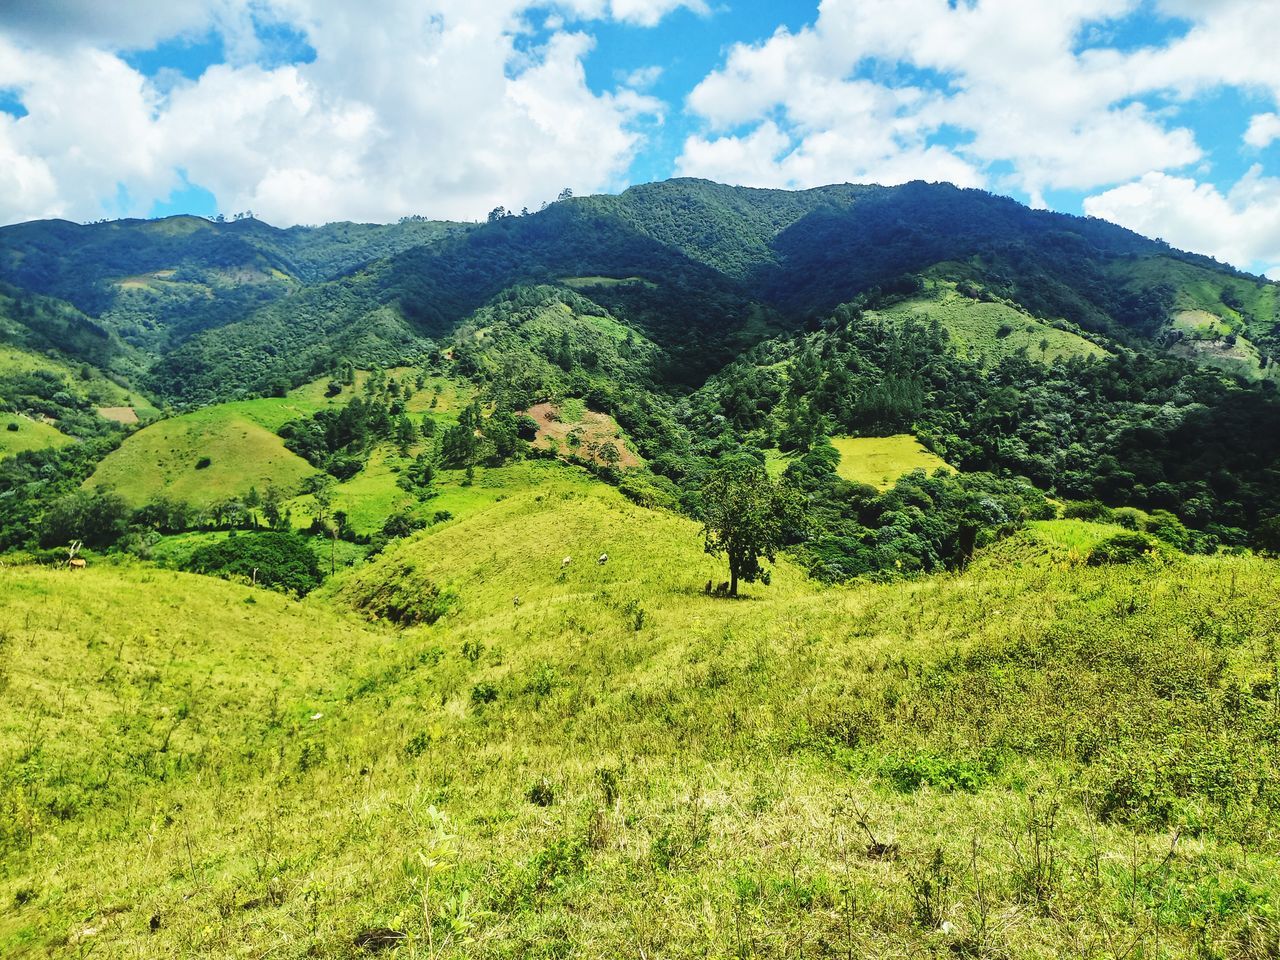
pixel 1160 115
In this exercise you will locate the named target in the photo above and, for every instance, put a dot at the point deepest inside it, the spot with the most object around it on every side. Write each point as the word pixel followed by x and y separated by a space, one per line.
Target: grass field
pixel 992 330
pixel 239 438
pixel 880 461
pixel 164 459
pixel 621 765
pixel 30 435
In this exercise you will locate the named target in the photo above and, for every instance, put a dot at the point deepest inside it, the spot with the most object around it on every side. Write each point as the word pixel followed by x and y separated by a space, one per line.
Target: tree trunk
pixel 733 582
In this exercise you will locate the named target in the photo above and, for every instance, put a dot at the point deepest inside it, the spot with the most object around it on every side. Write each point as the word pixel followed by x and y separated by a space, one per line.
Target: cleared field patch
pixel 200 458
pixel 880 461
pixel 571 430
pixel 992 331
pixel 29 435
pixel 119 414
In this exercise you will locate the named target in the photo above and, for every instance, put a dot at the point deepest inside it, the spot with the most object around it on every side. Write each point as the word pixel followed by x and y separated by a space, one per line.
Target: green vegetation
pixel 880 461
pixel 19 434
pixel 989 331
pixel 163 459
pixel 281 560
pixel 747 517
pixel 613 760
pixel 446 668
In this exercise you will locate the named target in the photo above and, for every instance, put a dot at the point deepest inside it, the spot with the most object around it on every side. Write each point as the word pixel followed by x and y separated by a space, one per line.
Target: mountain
pixel 702 319
pixel 243 304
pixel 377 587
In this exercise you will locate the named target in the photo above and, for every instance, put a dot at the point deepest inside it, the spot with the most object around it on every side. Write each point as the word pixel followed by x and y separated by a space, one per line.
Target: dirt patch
pixel 592 432
pixel 119 414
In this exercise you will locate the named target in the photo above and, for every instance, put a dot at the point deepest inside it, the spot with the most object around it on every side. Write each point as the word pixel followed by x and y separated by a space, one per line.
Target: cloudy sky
pixel 1162 115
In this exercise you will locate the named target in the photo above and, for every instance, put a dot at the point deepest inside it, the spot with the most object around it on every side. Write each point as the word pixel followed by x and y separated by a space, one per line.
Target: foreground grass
pixel 1031 758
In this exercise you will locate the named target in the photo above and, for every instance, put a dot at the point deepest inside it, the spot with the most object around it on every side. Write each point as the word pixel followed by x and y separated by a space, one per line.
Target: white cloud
pixel 1240 227
pixel 428 108
pixel 996 89
pixel 1264 129
pixel 642 78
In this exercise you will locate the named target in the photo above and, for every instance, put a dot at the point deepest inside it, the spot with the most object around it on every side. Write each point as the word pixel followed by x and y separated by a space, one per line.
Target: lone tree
pixel 746 516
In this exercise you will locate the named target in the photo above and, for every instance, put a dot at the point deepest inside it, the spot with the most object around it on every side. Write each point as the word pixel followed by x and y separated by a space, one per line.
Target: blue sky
pixel 1162 115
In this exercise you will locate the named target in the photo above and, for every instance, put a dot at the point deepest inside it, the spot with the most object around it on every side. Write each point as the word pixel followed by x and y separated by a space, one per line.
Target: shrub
pixel 280 560
pixel 910 773
pixel 542 793
pixel 397 590
pixel 12 427
pixel 1123 548
pixel 1170 529
pixel 1131 518
pixel 203 463
pixel 1094 510
pixel 483 692
pixel 401 525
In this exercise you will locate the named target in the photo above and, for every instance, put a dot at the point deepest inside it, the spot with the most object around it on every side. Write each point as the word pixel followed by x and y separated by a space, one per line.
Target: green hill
pixel 20 433
pixel 621 760
pixel 238 439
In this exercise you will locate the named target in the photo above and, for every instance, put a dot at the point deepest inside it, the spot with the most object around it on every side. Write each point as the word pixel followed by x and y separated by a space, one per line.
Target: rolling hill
pixel 620 759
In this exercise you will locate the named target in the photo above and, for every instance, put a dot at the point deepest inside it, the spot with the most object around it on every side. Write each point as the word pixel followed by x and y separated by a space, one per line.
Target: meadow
pixel 1032 757
pixel 987 331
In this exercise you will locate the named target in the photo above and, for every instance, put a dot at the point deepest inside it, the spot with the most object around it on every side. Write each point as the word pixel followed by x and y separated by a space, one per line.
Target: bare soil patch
pixel 592 433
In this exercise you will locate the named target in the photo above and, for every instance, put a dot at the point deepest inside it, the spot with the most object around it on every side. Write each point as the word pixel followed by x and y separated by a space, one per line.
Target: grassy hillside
pixel 988 331
pixel 19 433
pixel 238 438
pixel 168 458
pixel 1227 321
pixel 621 762
pixel 880 461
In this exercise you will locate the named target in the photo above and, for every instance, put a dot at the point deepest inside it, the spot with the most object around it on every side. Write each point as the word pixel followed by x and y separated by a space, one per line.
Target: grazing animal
pixel 723 588
pixel 566 561
pixel 707 588
pixel 604 558
pixel 515 602
pixel 76 563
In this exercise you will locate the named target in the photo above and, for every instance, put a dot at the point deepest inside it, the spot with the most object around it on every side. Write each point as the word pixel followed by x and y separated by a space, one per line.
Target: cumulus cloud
pixel 1264 129
pixel 1034 113
pixel 440 108
pixel 1241 226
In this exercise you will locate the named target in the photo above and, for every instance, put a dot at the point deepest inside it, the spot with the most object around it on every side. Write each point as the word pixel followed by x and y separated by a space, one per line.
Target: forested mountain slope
pixel 246 304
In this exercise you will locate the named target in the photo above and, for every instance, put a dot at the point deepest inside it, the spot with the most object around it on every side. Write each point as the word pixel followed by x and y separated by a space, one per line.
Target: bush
pixel 1123 548
pixel 1131 518
pixel 203 463
pixel 396 590
pixel 12 427
pixel 401 525
pixel 1094 510
pixel 282 561
pixel 1170 529
pixel 910 773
